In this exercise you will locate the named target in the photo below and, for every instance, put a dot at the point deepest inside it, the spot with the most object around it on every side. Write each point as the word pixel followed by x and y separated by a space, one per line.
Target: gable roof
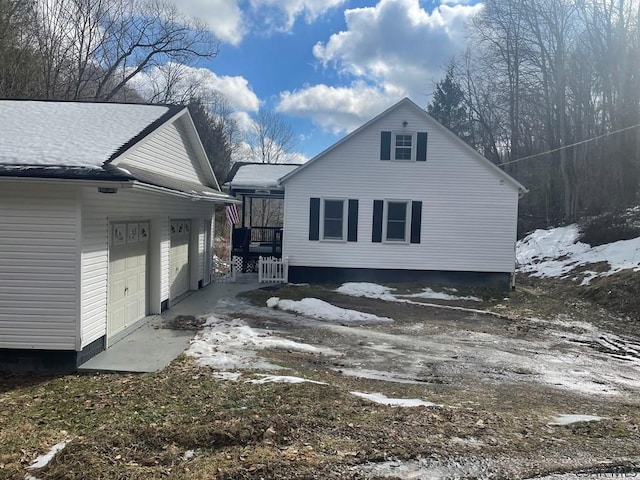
pixel 444 130
pixel 80 140
pixel 73 134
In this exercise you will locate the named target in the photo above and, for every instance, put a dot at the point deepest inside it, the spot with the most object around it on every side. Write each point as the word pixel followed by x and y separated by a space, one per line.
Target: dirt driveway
pixel 521 372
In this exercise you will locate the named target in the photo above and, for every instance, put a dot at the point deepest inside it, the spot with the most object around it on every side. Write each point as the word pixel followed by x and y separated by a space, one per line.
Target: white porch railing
pixel 273 270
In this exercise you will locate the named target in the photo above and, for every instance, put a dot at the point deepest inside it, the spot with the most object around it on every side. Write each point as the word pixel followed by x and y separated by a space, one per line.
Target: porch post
pixel 243 209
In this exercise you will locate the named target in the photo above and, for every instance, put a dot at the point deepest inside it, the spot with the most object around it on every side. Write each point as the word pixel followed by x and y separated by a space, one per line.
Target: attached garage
pixel 128 277
pixel 180 269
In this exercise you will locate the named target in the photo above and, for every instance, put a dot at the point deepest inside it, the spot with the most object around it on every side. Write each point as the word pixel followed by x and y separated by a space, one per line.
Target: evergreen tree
pixel 448 105
pixel 214 135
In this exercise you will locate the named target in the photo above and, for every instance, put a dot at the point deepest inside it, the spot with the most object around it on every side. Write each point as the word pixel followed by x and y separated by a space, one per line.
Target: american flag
pixel 232 214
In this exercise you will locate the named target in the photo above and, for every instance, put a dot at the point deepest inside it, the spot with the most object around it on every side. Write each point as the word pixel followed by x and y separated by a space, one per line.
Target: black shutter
pixel 421 149
pixel 385 145
pixel 352 222
pixel 416 221
pixel 314 219
pixel 376 234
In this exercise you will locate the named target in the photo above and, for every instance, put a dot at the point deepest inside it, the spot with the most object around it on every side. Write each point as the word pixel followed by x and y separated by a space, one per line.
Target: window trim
pixel 345 213
pixel 414 142
pixel 407 221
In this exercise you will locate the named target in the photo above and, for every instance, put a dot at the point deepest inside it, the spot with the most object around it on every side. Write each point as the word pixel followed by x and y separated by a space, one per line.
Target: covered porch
pixel 259 230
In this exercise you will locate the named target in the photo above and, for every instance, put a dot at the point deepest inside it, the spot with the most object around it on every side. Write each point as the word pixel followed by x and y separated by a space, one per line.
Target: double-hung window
pixel 396 221
pixel 333 220
pixel 403 146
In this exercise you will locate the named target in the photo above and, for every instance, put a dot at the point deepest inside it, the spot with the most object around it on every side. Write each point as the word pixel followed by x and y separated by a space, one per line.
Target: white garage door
pixel 128 256
pixel 180 275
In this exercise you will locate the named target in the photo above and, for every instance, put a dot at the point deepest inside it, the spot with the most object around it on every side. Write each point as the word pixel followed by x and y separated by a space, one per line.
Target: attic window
pixel 403 146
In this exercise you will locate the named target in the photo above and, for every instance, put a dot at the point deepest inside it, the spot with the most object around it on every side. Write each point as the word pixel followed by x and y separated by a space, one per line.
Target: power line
pixel 569 146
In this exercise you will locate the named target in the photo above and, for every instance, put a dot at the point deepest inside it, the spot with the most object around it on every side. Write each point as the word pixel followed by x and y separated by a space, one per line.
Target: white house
pixel 401 199
pixel 105 217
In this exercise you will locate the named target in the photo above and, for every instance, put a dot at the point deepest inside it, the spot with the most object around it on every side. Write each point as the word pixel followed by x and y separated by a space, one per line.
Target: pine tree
pixel 448 105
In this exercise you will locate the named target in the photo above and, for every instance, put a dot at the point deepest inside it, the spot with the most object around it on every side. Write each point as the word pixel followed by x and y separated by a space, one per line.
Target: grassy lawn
pixel 182 422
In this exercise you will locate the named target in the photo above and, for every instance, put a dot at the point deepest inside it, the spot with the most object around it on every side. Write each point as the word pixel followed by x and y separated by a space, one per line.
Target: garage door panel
pixel 128 277
pixel 179 268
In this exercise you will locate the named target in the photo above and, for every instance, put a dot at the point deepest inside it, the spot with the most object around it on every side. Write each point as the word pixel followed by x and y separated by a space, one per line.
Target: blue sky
pixel 327 65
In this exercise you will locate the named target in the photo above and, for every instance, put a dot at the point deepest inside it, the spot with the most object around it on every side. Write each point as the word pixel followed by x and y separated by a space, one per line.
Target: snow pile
pixel 282 379
pixel 316 308
pixel 556 252
pixel 394 402
pixel 233 344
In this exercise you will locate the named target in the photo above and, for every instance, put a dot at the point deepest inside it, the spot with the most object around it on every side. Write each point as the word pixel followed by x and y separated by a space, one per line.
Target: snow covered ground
pixel 557 252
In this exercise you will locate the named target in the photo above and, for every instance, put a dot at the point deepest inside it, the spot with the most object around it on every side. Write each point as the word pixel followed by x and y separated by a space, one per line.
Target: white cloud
pixel 397 42
pixel 391 50
pixel 282 14
pixel 201 81
pixel 223 17
pixel 339 109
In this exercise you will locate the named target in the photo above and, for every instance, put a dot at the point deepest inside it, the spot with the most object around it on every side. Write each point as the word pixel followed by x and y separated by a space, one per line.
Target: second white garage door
pixel 180 272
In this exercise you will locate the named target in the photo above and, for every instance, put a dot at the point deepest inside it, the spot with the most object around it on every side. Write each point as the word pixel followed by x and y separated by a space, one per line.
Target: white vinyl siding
pixel 126 205
pixel 38 266
pixel 169 153
pixel 469 211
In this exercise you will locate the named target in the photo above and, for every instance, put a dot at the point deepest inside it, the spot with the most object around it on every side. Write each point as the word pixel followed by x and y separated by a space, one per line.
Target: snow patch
pixel 368 290
pixel 433 295
pixel 394 402
pixel 378 375
pixel 43 460
pixel 233 344
pixel 373 290
pixel 281 379
pixel 556 253
pixel 230 376
pixel 316 308
pixel 568 419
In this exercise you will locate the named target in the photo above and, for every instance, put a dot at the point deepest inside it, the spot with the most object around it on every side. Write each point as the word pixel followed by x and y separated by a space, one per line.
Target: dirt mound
pixel 618 293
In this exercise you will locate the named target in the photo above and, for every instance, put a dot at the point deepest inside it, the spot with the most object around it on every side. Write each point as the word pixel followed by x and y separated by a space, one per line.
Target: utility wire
pixel 569 146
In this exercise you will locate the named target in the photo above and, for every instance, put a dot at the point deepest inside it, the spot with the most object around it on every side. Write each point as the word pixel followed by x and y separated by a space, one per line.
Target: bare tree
pixel 548 76
pixel 19 63
pixel 271 138
pixel 95 47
